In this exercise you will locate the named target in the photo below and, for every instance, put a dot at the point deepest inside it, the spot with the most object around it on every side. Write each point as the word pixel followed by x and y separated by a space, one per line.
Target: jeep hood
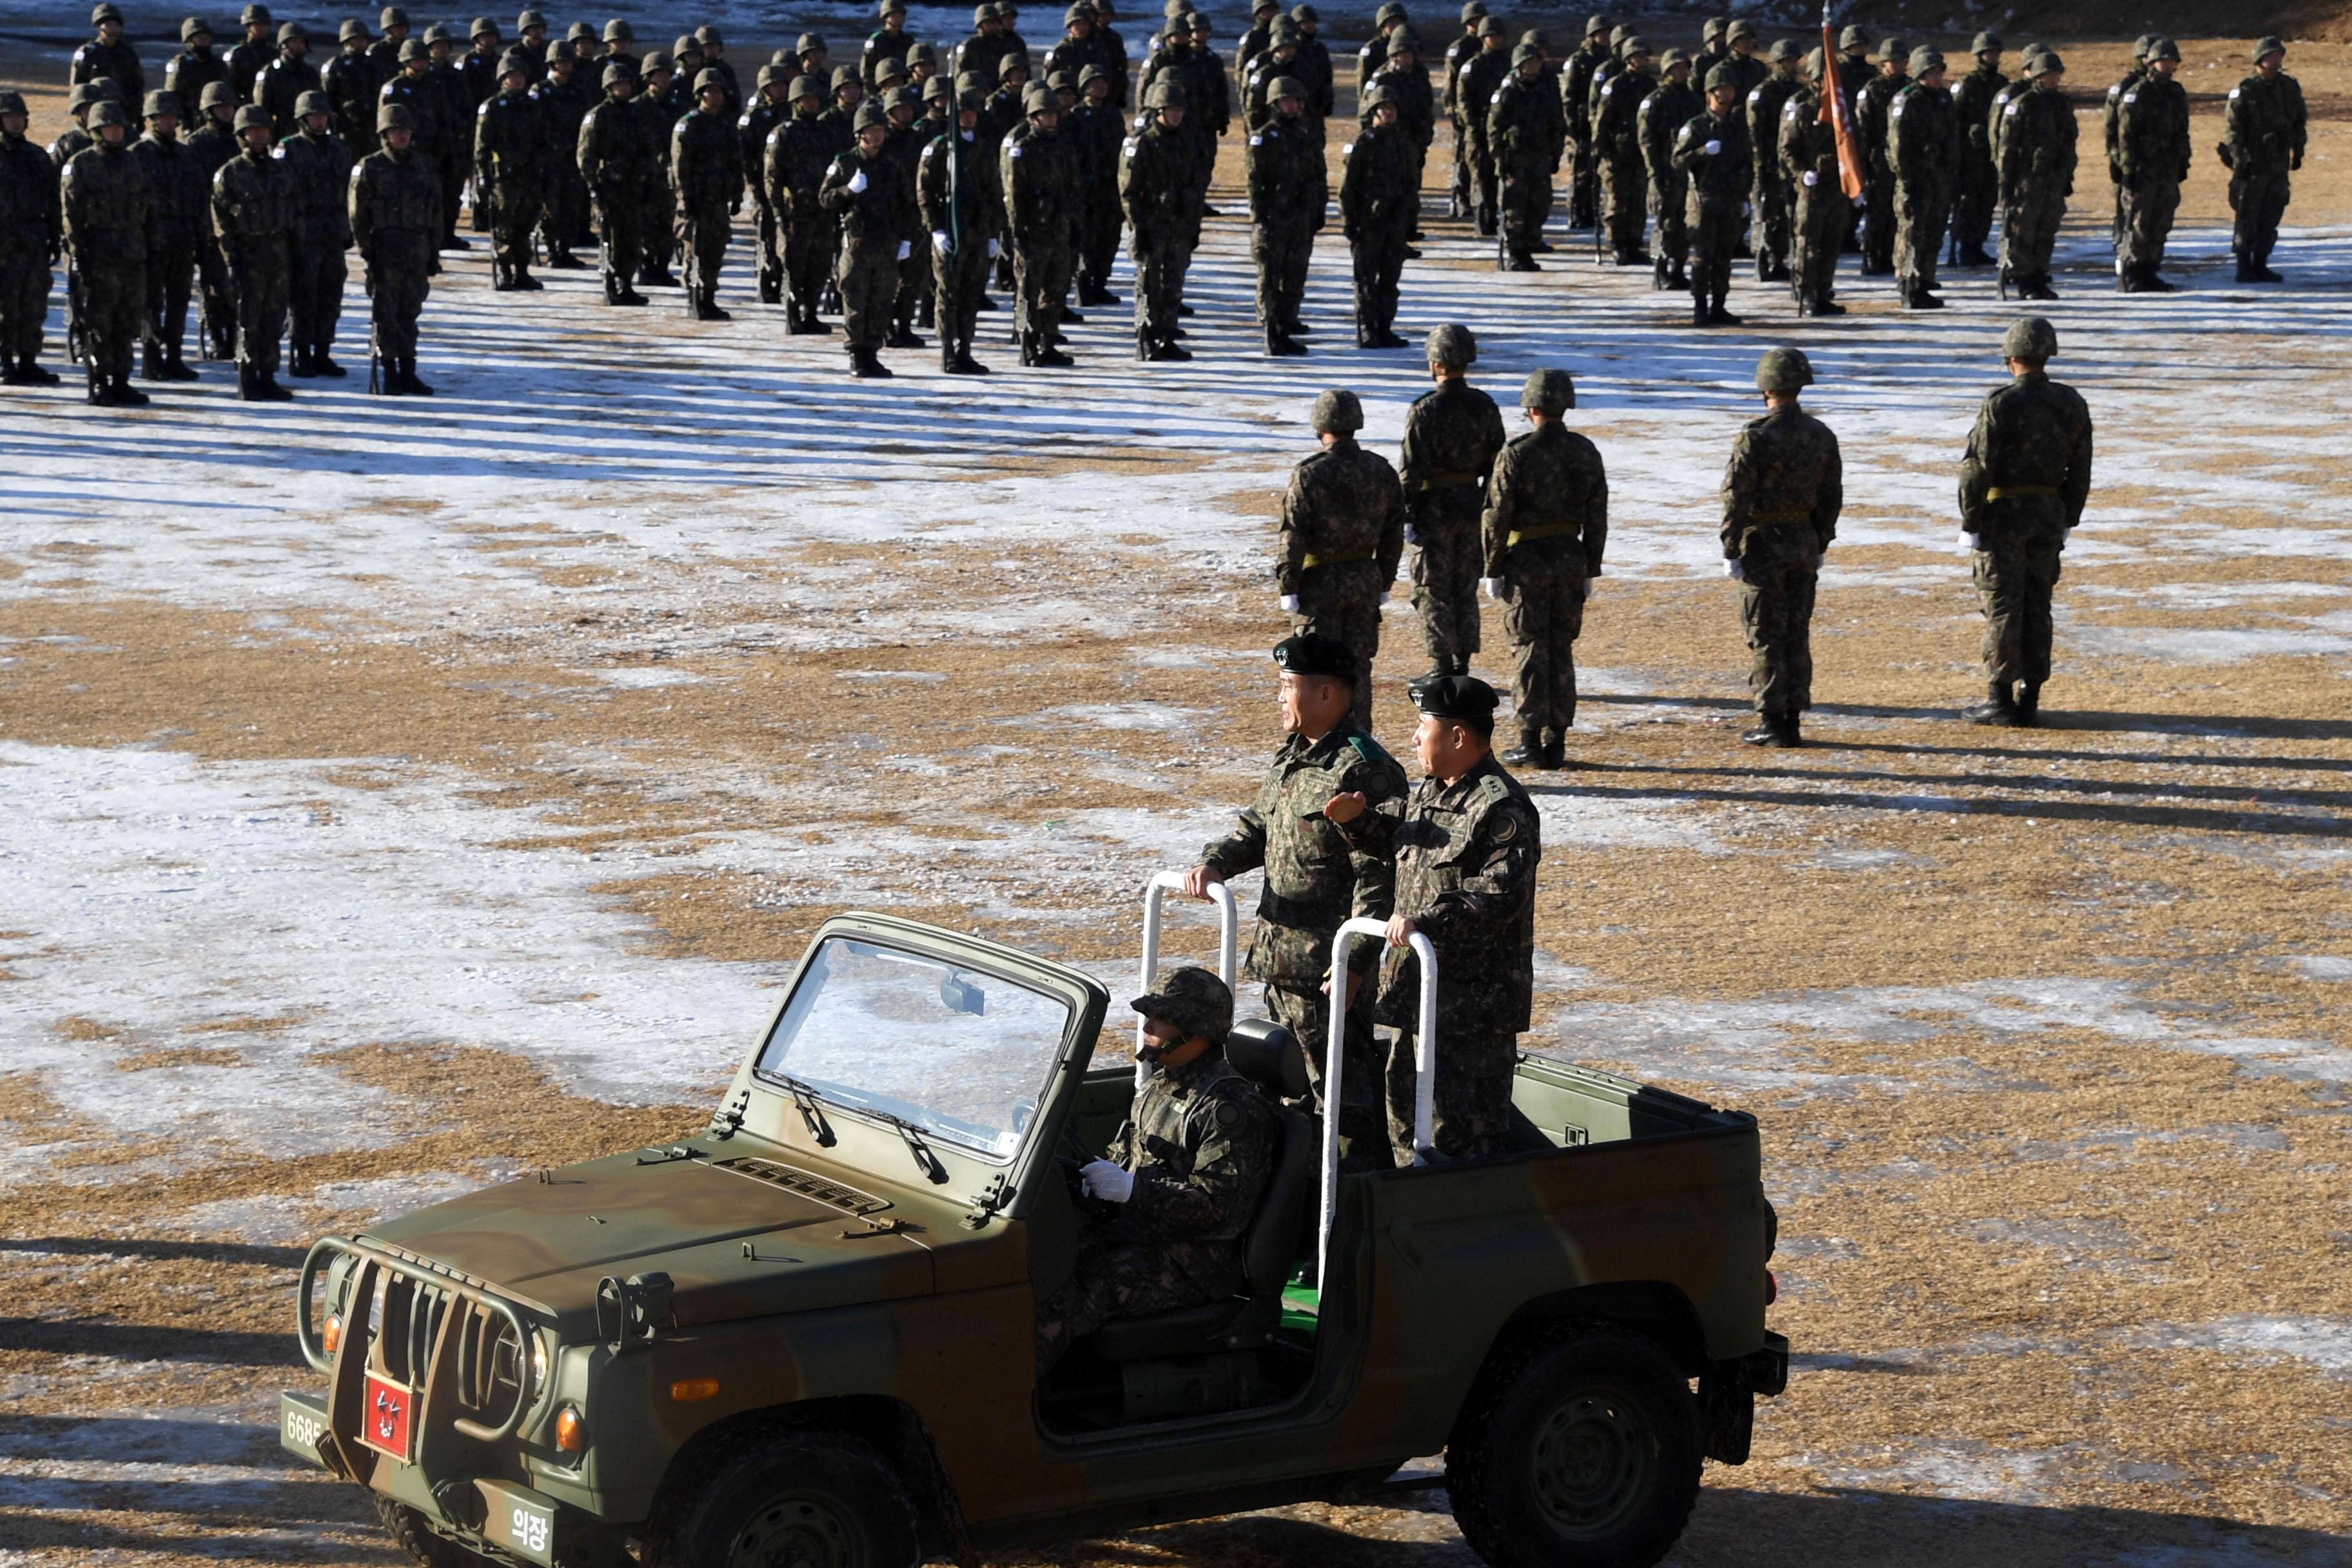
pixel 733 1244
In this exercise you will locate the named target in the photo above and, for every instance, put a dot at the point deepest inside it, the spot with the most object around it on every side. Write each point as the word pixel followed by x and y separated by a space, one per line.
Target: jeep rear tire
pixel 798 1500
pixel 1583 1450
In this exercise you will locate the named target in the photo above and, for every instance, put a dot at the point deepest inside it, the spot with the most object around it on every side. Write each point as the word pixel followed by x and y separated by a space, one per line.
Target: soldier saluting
pixel 1781 495
pixel 1315 878
pixel 1465 846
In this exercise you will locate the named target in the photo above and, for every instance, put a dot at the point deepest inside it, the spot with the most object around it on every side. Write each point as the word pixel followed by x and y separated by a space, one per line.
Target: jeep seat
pixel 1267 1055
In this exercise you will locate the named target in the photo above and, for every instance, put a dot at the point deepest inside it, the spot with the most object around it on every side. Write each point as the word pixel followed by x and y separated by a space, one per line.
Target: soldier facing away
pixel 1453 434
pixel 2024 484
pixel 1315 878
pixel 1465 846
pixel 1340 538
pixel 2264 128
pixel 2152 158
pixel 1782 491
pixel 1543 532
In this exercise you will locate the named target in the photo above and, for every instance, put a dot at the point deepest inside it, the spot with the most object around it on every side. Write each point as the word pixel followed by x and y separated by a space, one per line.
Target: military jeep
pixel 805 1335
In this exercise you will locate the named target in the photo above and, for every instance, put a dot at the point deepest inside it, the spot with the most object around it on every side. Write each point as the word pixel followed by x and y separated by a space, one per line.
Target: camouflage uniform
pixel 1782 491
pixel 1874 102
pixel 1923 136
pixel 1341 536
pixel 177 188
pixel 2037 175
pixel 1474 100
pixel 108 209
pixel 1979 183
pixel 1042 175
pixel 798 153
pixel 1773 199
pixel 351 85
pixel 213 144
pixel 1289 188
pixel 1668 108
pixel 2024 484
pixel 873 224
pixel 706 180
pixel 1315 878
pixel 282 83
pixel 1408 87
pixel 1526 134
pixel 1099 128
pixel 1163 212
pixel 760 120
pixel 617 163
pixel 1809 154
pixel 961 202
pixel 117 62
pixel 1451 436
pixel 1617 147
pixel 252 54
pixel 1718 184
pixel 564 102
pixel 1544 528
pixel 2111 112
pixel 189 72
pixel 253 214
pixel 1576 105
pixel 511 169
pixel 1201 1144
pixel 1465 857
pixel 322 171
pixel 1380 195
pixel 2264 128
pixel 31 233
pixel 396 213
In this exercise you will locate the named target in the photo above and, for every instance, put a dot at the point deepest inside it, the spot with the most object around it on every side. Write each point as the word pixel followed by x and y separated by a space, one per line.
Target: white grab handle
pixel 1334 1068
pixel 1229 936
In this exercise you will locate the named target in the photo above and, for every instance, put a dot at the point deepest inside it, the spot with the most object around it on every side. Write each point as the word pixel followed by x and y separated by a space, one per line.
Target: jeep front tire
pixel 796 1499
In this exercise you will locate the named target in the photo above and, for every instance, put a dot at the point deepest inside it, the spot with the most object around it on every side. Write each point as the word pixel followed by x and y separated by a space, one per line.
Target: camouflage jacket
pixel 1874 104
pixel 563 105
pixel 1923 139
pixel 1044 187
pixel 1473 93
pixel 509 141
pixel 178 188
pixel 247 61
pixel 875 215
pixel 108 206
pixel 1549 494
pixel 1762 110
pixel 1344 505
pixel 1576 91
pixel 2037 142
pixel 2152 138
pixel 1202 1142
pixel 1669 106
pixel 1972 97
pixel 395 211
pixel 1155 184
pixel 1617 112
pixel 117 62
pixel 422 98
pixel 280 85
pixel 1314 878
pixel 1808 145
pixel 321 167
pixel 188 74
pixel 30 220
pixel 1458 55
pixel 1379 184
pixel 1782 489
pixel 350 82
pixel 1453 434
pixel 706 165
pixel 253 202
pixel 798 153
pixel 1465 856
pixel 2265 125
pixel 615 149
pixel 1289 184
pixel 2111 114
pixel 1525 128
pixel 959 191
pixel 1098 129
pixel 1719 180
pixel 2028 459
pixel 1416 104
pixel 752 128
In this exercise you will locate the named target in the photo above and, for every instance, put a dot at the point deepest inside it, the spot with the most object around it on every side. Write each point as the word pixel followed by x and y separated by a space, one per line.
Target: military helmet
pixel 1039 99
pixel 1379 92
pixel 889 68
pixel 1091 75
pixel 250 117
pixel 165 102
pixel 252 13
pixel 2165 49
pixel 870 114
pixel 1338 410
pixel 105 13
pixel 902 97
pixel 984 12
pixel 1783 370
pixel 1712 28
pixel 657 60
pixel 684 45
pixel 1490 27
pixel 1674 57
pixel 1635 44
pixel 2141 45
pixel 2265 47
pixel 1923 60
pixel 1552 390
pixel 708 36
pixel 1013 61
pixel 105 88
pixel 581 33
pixel 1388 12
pixel 1722 76
pixel 1596 25
pixel 308 103
pixel 615 73
pixel 2031 339
pixel 108 113
pixel 806 87
pixel 1853 37
pixel 1742 28
pixel 416 49
pixel 1814 64
pixel 618 31
pixel 1081 12
pixel 920 51
pixel 1986 44
pixel 529 19
pixel 846 76
pixel 561 52
pixel 396 117
pixel 883 7
pixel 768 73
pixel 195 27
pixel 1285 31
pixel 1302 15
pixel 1164 94
pixel 353 28
pixel 2049 62
pixel 1453 346
pixel 1473 11
pixel 1892 49
pixel 709 80
pixel 392 16
pixel 291 32
pixel 1063 81
pixel 1521 54
pixel 1284 86
pixel 12 103
pixel 483 27
pixel 1782 51
pixel 970 102
pixel 516 60
pixel 82 95
pixel 216 93
pixel 1194 1000
pixel 440 33
pixel 1403 41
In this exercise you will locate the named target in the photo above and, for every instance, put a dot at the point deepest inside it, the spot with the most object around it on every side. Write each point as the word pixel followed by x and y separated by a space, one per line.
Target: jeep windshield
pixel 959 1053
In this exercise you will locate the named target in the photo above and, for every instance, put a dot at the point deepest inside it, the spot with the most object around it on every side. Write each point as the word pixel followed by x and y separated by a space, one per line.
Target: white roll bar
pixel 1229 936
pixel 1334 1063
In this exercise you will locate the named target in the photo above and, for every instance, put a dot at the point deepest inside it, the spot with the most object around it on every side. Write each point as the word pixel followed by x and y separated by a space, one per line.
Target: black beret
pixel 1311 653
pixel 1463 698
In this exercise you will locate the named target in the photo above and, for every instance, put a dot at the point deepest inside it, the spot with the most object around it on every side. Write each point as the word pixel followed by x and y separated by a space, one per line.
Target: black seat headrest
pixel 1268 1055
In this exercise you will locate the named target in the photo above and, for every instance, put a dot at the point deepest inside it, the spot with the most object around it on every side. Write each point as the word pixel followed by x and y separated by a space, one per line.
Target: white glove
pixel 1111 1183
pixel 1713 149
pixel 858 181
pixel 1813 176
pixel 1969 542
pixel 940 241
pixel 992 250
pixel 1492 587
pixel 1290 604
pixel 1735 571
pixel 906 248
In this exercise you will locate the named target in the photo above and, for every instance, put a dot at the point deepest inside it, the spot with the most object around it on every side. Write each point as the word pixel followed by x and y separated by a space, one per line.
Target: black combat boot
pixel 1658 276
pixel 524 282
pixel 409 383
pixel 965 365
pixel 1142 346
pixel 1385 339
pixel 298 361
pixel 124 394
pixel 1998 708
pixel 560 259
pixel 501 278
pixel 1529 752
pixel 1052 358
pixel 1281 345
pixel 902 336
pixel 1700 315
pixel 223 341
pixel 1166 351
pixel 1717 316
pixel 1555 754
pixel 266 390
pixel 98 392
pixel 1521 261
pixel 247 384
pixel 176 368
pixel 866 365
pixel 151 362
pixel 321 365
pixel 2028 704
pixel 771 287
pixel 2152 284
pixel 1825 306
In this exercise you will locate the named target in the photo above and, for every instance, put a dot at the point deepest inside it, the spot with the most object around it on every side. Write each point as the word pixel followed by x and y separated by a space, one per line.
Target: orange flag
pixel 1849 150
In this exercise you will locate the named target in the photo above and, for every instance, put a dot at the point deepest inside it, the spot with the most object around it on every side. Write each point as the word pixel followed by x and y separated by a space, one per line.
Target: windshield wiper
pixel 806 1099
pixel 925 1160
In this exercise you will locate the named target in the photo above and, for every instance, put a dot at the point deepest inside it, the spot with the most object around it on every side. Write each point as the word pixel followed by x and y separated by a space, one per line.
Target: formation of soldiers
pixel 896 191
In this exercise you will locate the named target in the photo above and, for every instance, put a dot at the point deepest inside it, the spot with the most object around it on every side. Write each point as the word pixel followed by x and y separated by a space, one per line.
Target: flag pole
pixel 1833 111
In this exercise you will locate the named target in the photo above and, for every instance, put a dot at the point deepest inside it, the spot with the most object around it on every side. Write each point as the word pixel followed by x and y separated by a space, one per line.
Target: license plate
pixel 522 1523
pixel 301 1423
pixel 386 1422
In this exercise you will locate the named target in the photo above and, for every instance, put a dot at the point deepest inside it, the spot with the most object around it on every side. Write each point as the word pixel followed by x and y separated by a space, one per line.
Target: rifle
pixel 76 335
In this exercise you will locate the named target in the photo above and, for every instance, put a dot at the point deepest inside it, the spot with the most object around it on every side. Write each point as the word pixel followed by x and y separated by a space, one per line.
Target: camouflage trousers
pixel 2258 196
pixel 1973 201
pixel 1363 1129
pixel 1543 611
pixel 1343 602
pixel 915 282
pixel 1776 611
pixel 1470 1111
pixel 620 236
pixel 658 240
pixel 25 281
pixel 1880 219
pixel 1583 188
pixel 398 286
pixel 113 303
pixel 1713 241
pixel 1161 257
pixel 563 212
pixel 1446 561
pixel 1488 182
pixel 1281 252
pixel 959 278
pixel 170 276
pixel 2016 575
pixel 514 212
pixel 1042 273
pixel 869 286
pixel 314 292
pixel 1920 212
pixel 1666 202
pixel 702 241
pixel 260 285
pixel 808 256
pixel 1817 240
pixel 1463 183
pixel 1526 204
pixel 452 164
pixel 1770 202
pixel 1098 239
pixel 2029 231
pixel 219 299
pixel 1378 257
pixel 1111 1280
pixel 2149 205
pixel 1624 199
pixel 768 244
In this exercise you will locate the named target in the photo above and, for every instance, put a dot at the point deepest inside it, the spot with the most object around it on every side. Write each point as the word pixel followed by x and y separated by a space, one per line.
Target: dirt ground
pixel 511 745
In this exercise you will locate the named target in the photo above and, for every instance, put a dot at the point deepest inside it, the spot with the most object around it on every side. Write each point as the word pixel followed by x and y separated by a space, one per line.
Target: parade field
pixel 400 796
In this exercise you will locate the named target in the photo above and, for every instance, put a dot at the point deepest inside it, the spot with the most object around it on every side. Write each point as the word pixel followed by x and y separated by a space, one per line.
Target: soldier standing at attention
pixel 2111 117
pixel 107 215
pixel 195 67
pixel 862 190
pixel 661 100
pixel 177 190
pixel 615 155
pixel 214 143
pixel 1451 436
pixel 771 103
pixel 1873 101
pixel 964 210
pixel 706 177
pixel 31 233
pixel 1044 184
pixel 562 102
pixel 1923 139
pixel 2037 175
pixel 1972 97
pixel 510 158
pixel 799 151
pixel 351 85
pixel 1525 135
pixel 397 216
pixel 1406 81
pixel 1100 123
pixel 1763 107
pixel 2262 134
pixel 1617 149
pixel 1670 105
pixel 1576 105
pixel 321 170
pixel 1315 878
pixel 1163 215
pixel 1380 191
pixel 1465 847
pixel 253 214
pixel 1781 495
pixel 1186 1173
pixel 1289 188
pixel 1460 200
pixel 1341 535
pixel 2023 485
pixel 1543 531
pixel 253 53
pixel 1474 98
pixel 109 57
pixel 2152 146
pixel 1817 232
pixel 1711 153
